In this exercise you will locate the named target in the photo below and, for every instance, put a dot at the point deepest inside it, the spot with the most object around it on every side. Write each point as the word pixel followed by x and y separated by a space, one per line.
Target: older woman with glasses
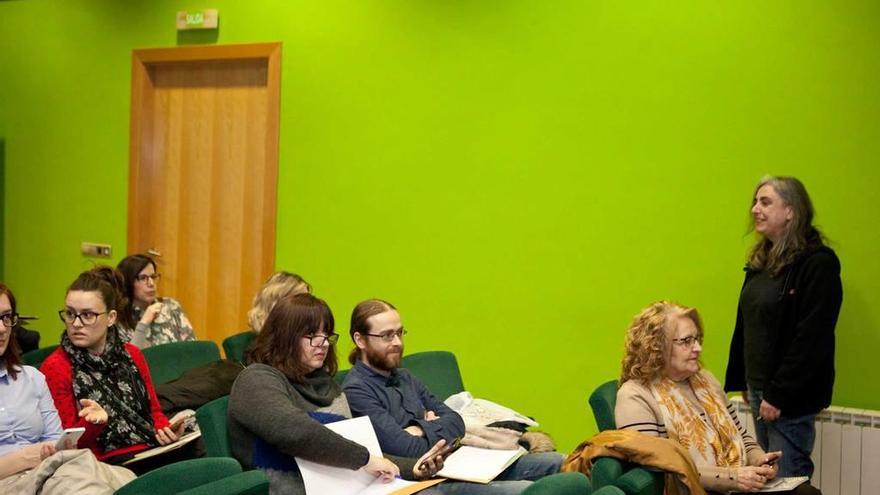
pixel 290 382
pixel 99 382
pixel 149 319
pixel 664 391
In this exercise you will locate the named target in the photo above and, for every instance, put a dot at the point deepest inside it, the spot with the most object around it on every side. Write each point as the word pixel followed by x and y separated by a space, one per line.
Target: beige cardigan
pixel 637 410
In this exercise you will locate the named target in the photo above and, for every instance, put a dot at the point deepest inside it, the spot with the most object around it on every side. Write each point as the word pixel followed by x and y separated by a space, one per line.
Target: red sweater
pixel 59 378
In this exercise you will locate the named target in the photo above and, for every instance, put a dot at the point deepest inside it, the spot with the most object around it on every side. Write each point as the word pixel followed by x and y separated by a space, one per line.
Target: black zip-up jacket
pixel 800 369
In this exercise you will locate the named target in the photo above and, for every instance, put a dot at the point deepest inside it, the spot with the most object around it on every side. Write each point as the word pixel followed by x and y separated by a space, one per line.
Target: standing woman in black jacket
pixel 782 352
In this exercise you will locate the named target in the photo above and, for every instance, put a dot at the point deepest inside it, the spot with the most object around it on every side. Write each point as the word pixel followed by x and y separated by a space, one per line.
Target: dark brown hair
pixel 130 267
pixel 359 316
pixel 106 281
pixel 11 356
pixel 281 340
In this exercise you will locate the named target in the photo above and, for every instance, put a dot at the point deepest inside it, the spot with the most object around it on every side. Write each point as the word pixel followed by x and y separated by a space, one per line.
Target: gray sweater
pixel 264 404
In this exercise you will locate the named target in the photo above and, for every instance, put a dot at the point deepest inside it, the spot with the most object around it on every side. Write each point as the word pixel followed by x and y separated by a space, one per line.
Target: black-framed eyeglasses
pixel 689 341
pixel 143 277
pixel 9 319
pixel 318 339
pixel 86 317
pixel 389 335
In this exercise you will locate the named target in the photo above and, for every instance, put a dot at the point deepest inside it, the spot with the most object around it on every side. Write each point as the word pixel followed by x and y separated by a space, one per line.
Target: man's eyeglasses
pixel 143 277
pixel 86 317
pixel 317 340
pixel 689 341
pixel 388 336
pixel 9 319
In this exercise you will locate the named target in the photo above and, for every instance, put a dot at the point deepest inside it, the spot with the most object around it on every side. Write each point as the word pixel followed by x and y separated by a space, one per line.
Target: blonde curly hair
pixel 279 285
pixel 646 340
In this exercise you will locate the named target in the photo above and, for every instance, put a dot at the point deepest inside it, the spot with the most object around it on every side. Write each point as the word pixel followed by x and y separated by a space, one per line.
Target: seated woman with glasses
pixel 148 319
pixel 290 382
pixel 30 422
pixel 666 392
pixel 99 382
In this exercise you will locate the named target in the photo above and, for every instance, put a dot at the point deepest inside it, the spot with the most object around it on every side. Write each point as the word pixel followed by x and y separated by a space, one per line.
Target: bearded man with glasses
pixel 407 417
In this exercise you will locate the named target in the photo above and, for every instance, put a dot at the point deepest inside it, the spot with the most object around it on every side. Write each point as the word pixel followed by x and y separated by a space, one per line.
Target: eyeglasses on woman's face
pixel 318 339
pixel 143 277
pixel 9 320
pixel 86 317
pixel 689 341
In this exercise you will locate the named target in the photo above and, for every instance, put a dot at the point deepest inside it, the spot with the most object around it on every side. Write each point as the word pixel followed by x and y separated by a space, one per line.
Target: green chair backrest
pixel 168 361
pixel 602 401
pixel 438 370
pixel 340 375
pixel 36 357
pixel 560 484
pixel 181 476
pixel 235 346
pixel 212 423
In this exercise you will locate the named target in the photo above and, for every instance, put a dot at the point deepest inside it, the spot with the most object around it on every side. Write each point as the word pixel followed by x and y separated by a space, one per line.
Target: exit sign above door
pixel 199 19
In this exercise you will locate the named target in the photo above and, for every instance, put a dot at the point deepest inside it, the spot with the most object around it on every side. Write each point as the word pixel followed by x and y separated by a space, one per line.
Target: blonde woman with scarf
pixel 664 391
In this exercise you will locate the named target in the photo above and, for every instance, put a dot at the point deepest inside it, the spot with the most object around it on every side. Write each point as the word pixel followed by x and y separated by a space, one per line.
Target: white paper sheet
pixel 320 479
pixel 784 484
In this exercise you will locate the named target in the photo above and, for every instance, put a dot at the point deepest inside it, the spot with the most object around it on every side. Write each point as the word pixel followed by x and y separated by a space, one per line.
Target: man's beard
pixel 386 360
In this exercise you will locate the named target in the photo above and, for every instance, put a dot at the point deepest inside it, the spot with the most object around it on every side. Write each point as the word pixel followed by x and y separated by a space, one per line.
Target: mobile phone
pixel 69 438
pixel 444 451
pixel 180 418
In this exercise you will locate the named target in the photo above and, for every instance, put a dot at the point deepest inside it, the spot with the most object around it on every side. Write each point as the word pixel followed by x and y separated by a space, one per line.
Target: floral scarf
pixel 706 429
pixel 113 381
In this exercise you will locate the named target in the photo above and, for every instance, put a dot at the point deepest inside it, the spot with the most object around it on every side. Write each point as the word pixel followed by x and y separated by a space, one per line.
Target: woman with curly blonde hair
pixel 665 391
pixel 279 285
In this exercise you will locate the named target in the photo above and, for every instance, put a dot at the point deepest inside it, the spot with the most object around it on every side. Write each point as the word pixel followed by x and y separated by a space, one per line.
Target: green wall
pixel 518 177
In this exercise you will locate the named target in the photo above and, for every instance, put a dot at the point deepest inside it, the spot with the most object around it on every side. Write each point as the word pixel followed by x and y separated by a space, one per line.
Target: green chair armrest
pixel 641 481
pixel 605 472
pixel 609 490
pixel 560 484
pixel 246 483
pixel 180 476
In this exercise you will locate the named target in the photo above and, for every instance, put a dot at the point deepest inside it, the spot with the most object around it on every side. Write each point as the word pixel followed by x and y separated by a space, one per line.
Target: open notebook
pixel 478 465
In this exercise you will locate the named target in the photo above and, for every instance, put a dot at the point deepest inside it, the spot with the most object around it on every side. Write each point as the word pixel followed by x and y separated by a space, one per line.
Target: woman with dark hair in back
pixel 290 382
pixel 148 319
pixel 782 351
pixel 99 382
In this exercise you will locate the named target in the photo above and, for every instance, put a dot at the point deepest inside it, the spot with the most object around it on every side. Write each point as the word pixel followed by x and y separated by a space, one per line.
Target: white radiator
pixel 847 449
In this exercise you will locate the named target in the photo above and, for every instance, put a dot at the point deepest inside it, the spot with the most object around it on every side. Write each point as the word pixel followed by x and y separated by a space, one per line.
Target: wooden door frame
pixel 142 59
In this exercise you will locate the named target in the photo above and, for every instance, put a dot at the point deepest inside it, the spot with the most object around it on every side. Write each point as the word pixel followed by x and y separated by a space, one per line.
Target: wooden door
pixel 203 175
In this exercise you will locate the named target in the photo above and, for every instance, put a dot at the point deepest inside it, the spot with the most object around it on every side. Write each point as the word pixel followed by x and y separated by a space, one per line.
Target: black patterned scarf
pixel 113 381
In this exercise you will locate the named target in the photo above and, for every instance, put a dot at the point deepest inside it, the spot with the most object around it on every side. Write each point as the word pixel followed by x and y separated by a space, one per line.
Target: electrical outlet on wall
pixel 94 249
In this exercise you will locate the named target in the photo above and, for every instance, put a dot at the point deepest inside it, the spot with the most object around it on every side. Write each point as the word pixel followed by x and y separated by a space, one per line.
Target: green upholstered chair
pixel 235 346
pixel 168 361
pixel 602 401
pixel 212 423
pixel 607 471
pixel 208 476
pixel 36 357
pixel 560 484
pixel 438 370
